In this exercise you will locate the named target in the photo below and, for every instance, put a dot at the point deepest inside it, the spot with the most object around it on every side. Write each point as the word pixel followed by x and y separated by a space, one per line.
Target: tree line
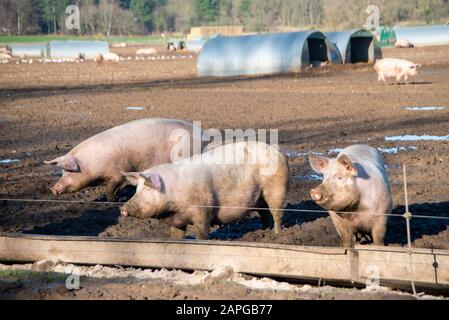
pixel 126 17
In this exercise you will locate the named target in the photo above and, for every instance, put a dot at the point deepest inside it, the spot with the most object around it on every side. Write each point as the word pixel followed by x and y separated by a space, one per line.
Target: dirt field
pixel 47 109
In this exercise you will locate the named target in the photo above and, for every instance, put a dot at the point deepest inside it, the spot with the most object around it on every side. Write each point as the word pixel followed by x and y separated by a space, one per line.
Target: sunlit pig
pixel 134 146
pixel 403 43
pixel 4 56
pixel 111 56
pixel 218 187
pixel 395 68
pixel 356 192
pixel 146 52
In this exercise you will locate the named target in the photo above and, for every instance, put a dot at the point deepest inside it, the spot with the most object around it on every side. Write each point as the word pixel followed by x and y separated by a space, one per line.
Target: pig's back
pixel 143 131
pixel 369 158
pixel 136 144
pixel 250 152
pixel 391 64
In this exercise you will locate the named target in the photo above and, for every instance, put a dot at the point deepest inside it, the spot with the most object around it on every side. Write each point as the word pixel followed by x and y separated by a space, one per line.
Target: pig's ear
pixel 318 164
pixel 347 163
pixel 67 162
pixel 132 177
pixel 152 180
pixel 55 162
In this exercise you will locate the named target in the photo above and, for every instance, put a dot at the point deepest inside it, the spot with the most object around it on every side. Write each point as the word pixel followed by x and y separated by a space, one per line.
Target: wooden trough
pixel 354 267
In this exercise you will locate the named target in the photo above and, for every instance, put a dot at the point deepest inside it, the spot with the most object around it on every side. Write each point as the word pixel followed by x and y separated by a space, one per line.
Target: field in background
pixel 47 109
pixel 151 39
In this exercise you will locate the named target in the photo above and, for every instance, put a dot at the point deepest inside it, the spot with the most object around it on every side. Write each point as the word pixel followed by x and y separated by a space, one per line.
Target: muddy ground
pixel 47 109
pixel 100 282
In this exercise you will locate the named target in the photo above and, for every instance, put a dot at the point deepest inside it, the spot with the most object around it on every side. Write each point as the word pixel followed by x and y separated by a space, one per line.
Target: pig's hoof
pixel 123 213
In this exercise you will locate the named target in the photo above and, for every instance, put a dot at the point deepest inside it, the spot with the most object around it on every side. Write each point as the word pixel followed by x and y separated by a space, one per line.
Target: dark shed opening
pixel 360 49
pixel 317 50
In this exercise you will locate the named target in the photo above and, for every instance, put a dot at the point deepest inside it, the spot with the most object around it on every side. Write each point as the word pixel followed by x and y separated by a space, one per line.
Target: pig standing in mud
pixel 356 183
pixel 395 68
pixel 134 146
pixel 217 187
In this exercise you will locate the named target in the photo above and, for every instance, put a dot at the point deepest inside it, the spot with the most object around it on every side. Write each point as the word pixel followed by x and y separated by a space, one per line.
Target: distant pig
pixel 220 186
pixel 395 68
pixel 356 191
pixel 5 56
pixel 404 43
pixel 136 145
pixel 146 52
pixel 111 56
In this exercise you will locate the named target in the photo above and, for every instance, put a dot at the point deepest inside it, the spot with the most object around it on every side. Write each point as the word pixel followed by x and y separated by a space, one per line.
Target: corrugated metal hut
pixel 195 45
pixel 29 50
pixel 356 45
pixel 424 36
pixel 72 49
pixel 265 54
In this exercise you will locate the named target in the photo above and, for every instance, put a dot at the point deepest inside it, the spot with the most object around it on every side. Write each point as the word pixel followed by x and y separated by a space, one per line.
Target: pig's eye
pixel 339 178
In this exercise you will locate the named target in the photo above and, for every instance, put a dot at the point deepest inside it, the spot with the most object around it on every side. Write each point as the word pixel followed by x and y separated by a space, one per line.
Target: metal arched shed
pixel 424 36
pixel 195 45
pixel 33 50
pixel 356 45
pixel 265 54
pixel 71 49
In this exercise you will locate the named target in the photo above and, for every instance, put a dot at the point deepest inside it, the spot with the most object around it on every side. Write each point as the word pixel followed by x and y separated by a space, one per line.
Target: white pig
pixel 135 145
pixel 395 68
pixel 220 186
pixel 146 52
pixel 111 57
pixel 355 191
pixel 4 56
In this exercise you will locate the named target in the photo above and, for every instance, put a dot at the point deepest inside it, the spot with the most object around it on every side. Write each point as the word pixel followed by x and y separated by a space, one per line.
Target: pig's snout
pixel 56 190
pixel 316 194
pixel 124 211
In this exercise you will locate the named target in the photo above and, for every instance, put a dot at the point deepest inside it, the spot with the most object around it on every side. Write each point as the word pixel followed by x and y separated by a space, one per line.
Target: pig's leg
pixel 381 79
pixel 202 231
pixel 178 233
pixel 344 230
pixel 112 186
pixel 266 218
pixel 398 78
pixel 275 202
pixel 201 223
pixel 378 233
pixel 264 213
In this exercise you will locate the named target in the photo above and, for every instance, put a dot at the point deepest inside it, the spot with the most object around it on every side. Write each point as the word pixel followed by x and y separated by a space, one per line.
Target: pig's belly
pixel 364 222
pixel 227 215
pixel 232 211
pixel 236 204
pixel 390 73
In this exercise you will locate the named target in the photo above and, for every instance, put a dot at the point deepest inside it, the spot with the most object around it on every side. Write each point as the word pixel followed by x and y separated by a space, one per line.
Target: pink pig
pixel 395 68
pixel 355 191
pixel 136 145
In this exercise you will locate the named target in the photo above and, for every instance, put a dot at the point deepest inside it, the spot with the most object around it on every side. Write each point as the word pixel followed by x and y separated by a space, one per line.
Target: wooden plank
pixel 333 265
